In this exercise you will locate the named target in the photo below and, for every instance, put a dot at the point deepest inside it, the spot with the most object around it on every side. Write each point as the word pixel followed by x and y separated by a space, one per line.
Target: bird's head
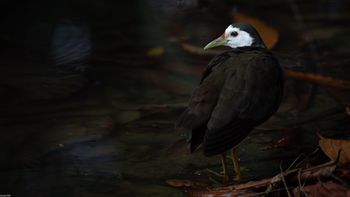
pixel 238 35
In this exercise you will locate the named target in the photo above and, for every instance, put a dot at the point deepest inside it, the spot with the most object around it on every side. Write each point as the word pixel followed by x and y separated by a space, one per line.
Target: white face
pixel 237 38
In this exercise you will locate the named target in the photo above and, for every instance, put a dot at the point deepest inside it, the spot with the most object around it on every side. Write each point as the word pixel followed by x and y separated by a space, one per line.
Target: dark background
pixel 89 90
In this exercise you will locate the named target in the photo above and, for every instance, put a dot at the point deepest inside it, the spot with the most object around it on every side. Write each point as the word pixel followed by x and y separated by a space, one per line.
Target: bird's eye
pixel 234 34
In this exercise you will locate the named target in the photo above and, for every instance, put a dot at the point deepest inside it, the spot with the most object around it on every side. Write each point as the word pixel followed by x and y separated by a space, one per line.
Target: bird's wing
pixel 202 103
pixel 204 97
pixel 249 96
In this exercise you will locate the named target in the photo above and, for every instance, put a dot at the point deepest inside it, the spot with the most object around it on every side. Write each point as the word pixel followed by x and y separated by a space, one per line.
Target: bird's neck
pixel 249 48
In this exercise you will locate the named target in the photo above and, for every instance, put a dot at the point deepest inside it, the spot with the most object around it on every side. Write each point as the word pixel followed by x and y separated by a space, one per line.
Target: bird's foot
pixel 237 177
pixel 219 176
pixel 236 166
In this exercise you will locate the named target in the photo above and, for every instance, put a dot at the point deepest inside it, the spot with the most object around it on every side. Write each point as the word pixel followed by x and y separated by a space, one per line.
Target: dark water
pixel 83 85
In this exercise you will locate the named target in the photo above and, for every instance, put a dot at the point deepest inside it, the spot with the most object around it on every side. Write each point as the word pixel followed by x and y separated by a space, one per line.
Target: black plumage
pixel 239 90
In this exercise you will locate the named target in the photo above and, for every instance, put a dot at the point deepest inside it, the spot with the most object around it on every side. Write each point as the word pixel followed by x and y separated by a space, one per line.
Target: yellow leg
pixel 236 167
pixel 224 167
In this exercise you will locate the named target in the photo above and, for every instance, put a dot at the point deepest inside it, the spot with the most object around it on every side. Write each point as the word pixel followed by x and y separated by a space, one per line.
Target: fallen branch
pixel 311 77
pixel 318 79
pixel 321 170
pixel 252 188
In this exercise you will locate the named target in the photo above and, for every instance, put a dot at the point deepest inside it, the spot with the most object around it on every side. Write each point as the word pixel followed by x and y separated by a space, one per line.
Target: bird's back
pixel 239 90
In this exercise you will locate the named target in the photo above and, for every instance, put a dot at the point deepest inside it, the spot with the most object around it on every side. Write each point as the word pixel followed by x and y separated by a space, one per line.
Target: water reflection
pixel 71 45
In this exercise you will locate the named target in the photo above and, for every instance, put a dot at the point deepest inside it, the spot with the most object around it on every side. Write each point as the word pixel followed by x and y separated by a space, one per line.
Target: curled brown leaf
pixel 336 149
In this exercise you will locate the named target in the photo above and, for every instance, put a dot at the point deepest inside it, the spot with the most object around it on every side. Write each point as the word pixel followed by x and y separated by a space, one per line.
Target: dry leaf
pixel 335 148
pixel 323 189
pixel 155 51
pixel 344 171
pixel 269 34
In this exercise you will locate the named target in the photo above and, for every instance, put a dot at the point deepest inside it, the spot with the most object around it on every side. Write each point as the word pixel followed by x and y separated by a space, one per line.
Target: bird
pixel 240 89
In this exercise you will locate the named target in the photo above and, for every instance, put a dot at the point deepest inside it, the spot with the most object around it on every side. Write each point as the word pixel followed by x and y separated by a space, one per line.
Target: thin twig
pixel 291 165
pixel 264 194
pixel 284 180
pixel 213 172
pixel 340 180
pixel 307 157
pixel 301 187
